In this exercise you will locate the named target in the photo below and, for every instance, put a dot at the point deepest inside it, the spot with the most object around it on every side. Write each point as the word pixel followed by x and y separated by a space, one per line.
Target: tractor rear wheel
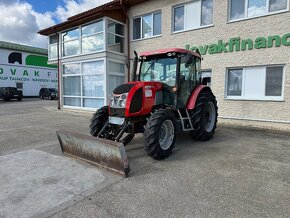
pixel 98 120
pixel 160 134
pixel 204 117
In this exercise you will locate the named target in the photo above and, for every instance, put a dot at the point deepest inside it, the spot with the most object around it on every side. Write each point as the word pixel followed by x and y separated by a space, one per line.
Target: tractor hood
pixel 125 88
pixel 134 98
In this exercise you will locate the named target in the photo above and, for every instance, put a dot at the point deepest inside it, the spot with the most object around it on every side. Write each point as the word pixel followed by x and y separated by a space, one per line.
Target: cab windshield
pixel 159 70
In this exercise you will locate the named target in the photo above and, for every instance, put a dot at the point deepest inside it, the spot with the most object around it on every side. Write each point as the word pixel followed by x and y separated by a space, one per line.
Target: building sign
pixel 238 44
pixel 30 70
pixel 20 73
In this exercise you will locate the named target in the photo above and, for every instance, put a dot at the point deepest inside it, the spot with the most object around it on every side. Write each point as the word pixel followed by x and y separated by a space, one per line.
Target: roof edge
pixel 23 48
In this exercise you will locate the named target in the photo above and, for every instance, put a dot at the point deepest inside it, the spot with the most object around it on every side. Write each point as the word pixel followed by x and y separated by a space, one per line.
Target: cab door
pixel 188 79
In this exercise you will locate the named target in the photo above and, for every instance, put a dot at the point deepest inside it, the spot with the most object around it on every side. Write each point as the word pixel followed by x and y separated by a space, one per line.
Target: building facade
pixel 26 68
pixel 244 44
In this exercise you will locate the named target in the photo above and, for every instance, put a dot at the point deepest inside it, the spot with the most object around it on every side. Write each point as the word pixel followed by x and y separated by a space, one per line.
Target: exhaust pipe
pixel 110 155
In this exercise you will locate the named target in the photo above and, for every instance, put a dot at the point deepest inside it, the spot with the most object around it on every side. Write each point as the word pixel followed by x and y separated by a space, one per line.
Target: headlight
pixel 123 103
pixel 119 101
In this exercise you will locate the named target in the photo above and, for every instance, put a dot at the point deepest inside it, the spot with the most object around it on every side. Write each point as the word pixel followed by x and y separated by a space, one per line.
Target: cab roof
pixel 168 50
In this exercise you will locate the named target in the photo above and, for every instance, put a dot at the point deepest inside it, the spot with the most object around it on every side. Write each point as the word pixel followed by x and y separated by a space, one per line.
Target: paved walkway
pixel 33 182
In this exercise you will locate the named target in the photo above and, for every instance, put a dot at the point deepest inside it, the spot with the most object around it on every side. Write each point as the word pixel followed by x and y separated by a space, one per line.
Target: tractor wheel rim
pixel 166 134
pixel 210 116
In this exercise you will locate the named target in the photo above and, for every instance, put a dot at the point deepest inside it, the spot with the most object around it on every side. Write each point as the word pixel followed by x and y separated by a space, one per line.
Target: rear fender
pixel 192 100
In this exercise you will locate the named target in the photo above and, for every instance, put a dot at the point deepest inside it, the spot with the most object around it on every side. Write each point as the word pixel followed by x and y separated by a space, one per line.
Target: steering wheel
pixel 163 78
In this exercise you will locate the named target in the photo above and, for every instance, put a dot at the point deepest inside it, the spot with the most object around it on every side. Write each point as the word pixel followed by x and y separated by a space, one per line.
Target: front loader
pixel 166 95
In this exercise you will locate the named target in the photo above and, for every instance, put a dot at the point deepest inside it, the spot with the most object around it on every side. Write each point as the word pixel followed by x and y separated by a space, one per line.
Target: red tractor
pixel 167 94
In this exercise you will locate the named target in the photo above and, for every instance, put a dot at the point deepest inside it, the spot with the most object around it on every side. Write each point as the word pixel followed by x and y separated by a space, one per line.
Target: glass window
pixel 115 28
pixel 137 28
pixel 151 26
pixel 116 67
pixel 52 51
pixel 92 28
pixel 93 86
pixel 115 81
pixel 90 40
pixel 237 9
pixel 274 80
pixel 93 102
pixel 86 80
pixel 206 12
pixel 277 5
pixel 206 77
pixel 76 102
pixel 256 83
pixel 53 39
pixel 157 24
pixel 94 67
pixel 161 70
pixel 72 85
pixel 235 80
pixel 71 69
pixel 115 39
pixel 255 8
pixel 19 85
pixel 52 47
pixel 179 18
pixel 93 43
pixel 70 35
pixel 147 26
pixel 193 15
pixel 71 48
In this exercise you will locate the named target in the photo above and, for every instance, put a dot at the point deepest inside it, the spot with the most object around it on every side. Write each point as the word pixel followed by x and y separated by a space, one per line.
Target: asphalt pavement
pixel 239 173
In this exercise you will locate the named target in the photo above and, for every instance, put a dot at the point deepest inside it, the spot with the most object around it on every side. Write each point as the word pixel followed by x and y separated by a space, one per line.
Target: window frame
pixel 63 42
pixel 207 70
pixel 108 74
pixel 80 37
pixel 109 32
pixel 268 13
pixel 141 25
pixel 189 29
pixel 53 44
pixel 93 34
pixel 81 74
pixel 264 98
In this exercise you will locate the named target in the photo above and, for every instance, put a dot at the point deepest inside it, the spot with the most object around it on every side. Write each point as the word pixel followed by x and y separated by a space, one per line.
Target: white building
pixel 245 48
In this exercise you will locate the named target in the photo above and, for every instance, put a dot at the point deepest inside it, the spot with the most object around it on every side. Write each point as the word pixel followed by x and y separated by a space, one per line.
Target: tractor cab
pixel 177 69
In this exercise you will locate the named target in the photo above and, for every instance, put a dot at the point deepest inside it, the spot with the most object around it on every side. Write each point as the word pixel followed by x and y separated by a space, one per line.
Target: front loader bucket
pixel 107 154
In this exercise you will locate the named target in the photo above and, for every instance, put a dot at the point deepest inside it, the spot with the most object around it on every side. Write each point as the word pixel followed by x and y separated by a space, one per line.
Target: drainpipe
pixel 58 70
pixel 128 36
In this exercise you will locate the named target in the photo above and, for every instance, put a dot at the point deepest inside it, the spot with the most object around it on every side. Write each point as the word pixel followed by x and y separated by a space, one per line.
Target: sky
pixel 22 19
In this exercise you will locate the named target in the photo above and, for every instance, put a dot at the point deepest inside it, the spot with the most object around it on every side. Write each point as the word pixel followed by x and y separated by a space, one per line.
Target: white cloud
pixel 20 22
pixel 73 7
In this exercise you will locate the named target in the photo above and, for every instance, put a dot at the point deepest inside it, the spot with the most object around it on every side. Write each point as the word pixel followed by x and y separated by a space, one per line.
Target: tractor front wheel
pixel 160 134
pixel 98 120
pixel 204 117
